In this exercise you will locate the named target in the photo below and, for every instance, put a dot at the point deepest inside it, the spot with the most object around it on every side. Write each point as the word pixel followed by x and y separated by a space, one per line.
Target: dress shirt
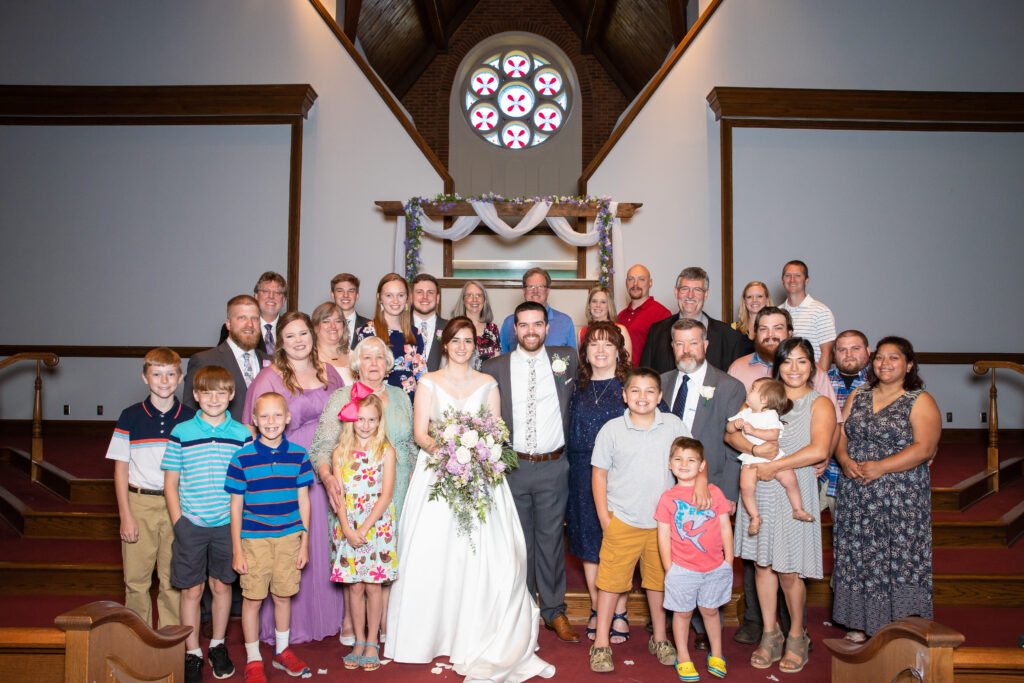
pixel 561 331
pixel 550 431
pixel 428 338
pixel 692 392
pixel 254 361
pixel 263 332
pixel 350 325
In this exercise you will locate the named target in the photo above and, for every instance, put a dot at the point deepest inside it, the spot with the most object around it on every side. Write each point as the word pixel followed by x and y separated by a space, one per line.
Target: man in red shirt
pixel 643 310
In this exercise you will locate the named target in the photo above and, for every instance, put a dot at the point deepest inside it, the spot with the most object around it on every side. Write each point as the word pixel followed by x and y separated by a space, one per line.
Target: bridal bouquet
pixel 471 456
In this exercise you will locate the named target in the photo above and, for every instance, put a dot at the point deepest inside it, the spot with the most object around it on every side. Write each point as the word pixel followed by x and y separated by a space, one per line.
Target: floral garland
pixel 414 231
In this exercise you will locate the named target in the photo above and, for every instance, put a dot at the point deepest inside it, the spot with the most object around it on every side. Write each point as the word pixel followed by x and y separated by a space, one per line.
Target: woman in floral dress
pixel 393 324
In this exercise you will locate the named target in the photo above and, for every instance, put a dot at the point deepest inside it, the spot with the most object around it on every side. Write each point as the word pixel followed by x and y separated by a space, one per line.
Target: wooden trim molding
pixel 149 105
pixel 645 96
pixel 385 94
pixel 851 110
pixel 393 209
pixel 99 351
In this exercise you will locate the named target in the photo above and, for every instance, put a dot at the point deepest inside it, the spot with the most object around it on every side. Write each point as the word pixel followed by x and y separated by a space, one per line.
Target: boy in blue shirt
pixel 269 482
pixel 195 465
pixel 137 448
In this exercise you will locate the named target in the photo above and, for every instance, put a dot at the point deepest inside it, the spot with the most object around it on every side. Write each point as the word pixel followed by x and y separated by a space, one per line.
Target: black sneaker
pixel 193 669
pixel 219 662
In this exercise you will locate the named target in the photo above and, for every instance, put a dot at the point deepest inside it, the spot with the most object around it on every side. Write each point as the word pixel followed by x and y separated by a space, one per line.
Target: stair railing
pixel 992 455
pixel 51 360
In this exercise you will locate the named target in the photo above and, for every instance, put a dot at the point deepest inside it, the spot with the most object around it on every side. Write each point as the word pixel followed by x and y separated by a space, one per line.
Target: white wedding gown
pixel 472 607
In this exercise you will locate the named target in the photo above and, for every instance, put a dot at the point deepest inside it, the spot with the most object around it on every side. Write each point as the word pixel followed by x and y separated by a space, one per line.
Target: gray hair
pixel 694 273
pixel 389 356
pixel 689 324
pixel 459 309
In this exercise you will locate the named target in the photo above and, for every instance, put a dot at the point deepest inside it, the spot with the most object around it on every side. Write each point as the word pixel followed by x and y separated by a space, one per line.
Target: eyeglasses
pixel 271 292
pixel 473 296
pixel 686 290
pixel 535 288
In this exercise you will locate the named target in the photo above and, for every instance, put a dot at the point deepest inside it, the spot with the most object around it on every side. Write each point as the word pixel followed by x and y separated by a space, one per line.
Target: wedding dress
pixel 449 600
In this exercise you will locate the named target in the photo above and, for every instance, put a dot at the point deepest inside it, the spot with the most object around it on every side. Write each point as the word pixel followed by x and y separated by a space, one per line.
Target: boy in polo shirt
pixel 195 465
pixel 629 476
pixel 269 482
pixel 137 447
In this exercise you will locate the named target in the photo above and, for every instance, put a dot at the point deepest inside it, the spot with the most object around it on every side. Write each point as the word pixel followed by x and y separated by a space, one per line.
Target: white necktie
pixel 531 405
pixel 247 368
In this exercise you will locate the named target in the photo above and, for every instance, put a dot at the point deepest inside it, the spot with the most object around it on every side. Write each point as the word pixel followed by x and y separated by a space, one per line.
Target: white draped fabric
pixel 486 212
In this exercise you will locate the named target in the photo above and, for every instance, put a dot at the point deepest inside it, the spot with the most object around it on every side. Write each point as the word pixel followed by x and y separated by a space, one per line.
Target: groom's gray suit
pixel 540 490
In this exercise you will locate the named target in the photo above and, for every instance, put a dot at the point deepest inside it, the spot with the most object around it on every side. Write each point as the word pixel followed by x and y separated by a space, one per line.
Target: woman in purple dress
pixel 298 374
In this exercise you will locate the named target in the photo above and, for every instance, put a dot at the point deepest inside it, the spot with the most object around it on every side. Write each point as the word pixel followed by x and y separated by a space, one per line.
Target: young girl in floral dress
pixel 364 461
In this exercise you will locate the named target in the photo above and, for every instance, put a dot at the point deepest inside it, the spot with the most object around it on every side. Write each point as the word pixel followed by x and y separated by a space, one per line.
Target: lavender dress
pixel 318 607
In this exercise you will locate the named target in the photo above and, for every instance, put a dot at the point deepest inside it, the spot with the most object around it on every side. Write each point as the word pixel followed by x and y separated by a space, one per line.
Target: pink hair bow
pixel 350 413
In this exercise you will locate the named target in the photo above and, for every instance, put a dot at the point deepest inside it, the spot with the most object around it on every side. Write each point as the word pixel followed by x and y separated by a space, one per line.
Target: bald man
pixel 643 311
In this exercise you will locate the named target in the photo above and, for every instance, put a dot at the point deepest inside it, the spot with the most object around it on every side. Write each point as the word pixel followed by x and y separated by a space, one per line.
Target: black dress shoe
pixel 700 641
pixel 748 634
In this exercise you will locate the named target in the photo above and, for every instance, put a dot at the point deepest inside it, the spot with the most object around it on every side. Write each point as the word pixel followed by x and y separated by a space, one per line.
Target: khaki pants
pixel 152 548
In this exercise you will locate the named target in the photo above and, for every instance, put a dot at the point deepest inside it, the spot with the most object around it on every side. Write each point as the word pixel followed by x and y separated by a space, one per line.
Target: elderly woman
pixel 306 382
pixel 786 550
pixel 883 528
pixel 393 324
pixel 474 304
pixel 604 364
pixel 755 297
pixel 600 307
pixel 371 363
pixel 332 338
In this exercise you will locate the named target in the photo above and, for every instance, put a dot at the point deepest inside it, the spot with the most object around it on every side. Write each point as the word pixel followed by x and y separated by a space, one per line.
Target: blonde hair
pixel 742 315
pixel 344 453
pixel 608 297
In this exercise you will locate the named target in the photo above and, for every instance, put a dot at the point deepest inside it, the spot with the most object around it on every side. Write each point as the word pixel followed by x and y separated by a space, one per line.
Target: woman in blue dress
pixel 393 324
pixel 604 364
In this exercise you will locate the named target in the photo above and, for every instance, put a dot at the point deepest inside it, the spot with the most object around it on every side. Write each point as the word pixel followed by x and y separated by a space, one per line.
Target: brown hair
pixel 603 329
pixel 452 328
pixel 271 276
pixel 241 300
pixel 213 378
pixel 380 325
pixel 537 271
pixel 686 443
pixel 773 393
pixel 911 380
pixel 281 363
pixel 322 312
pixel 161 356
pixel 344 277
pixel 637 373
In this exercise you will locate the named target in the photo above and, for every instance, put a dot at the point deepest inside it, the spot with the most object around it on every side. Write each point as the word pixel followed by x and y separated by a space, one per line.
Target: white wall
pixel 669 160
pixel 354 152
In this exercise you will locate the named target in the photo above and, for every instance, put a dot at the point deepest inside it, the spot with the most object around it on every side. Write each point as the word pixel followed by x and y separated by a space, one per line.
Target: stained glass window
pixel 516 99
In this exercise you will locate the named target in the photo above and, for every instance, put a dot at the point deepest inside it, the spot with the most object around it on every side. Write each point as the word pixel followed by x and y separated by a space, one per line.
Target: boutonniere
pixel 267 363
pixel 707 393
pixel 559 366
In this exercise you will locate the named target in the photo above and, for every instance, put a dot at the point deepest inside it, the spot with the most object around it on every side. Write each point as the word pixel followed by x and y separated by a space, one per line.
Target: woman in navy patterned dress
pixel 393 324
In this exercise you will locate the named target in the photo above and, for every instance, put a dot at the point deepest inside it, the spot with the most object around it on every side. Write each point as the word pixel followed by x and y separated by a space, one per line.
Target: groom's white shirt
pixel 550 434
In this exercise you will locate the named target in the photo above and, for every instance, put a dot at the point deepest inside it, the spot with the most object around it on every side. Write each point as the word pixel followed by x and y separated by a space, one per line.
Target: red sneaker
pixel 291 665
pixel 254 673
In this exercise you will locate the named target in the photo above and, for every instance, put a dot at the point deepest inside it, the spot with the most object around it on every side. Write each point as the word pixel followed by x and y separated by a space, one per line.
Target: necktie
pixel 531 405
pixel 269 341
pixel 247 368
pixel 426 341
pixel 679 406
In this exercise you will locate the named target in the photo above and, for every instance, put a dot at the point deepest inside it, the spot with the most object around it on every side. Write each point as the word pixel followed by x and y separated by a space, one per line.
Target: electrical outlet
pixel 99 410
pixel 984 418
pixel 949 417
pixel 67 409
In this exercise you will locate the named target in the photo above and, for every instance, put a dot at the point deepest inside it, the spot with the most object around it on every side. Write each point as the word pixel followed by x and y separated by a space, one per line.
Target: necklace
pixel 597 396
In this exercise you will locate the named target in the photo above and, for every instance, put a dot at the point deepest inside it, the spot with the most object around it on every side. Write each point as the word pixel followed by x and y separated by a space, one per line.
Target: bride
pixel 449 600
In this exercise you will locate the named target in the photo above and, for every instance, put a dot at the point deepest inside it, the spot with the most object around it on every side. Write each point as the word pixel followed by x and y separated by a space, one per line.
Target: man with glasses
pixel 270 292
pixel 724 343
pixel 561 331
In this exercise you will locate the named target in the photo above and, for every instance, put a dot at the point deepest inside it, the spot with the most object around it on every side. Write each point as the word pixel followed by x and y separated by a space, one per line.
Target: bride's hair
pixel 343 455
pixel 453 327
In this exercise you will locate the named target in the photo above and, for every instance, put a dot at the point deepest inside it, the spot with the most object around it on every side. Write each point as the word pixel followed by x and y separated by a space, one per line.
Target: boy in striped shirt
pixel 195 465
pixel 269 482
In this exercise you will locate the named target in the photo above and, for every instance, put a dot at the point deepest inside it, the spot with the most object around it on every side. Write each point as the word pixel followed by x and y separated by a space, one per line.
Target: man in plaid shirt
pixel 850 371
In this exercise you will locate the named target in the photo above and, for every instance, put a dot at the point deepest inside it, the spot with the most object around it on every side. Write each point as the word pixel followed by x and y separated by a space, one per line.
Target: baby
pixel 760 422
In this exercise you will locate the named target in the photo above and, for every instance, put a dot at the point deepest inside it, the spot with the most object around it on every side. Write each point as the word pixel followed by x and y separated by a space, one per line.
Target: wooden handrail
pixel 992 454
pixel 51 360
pixel 895 648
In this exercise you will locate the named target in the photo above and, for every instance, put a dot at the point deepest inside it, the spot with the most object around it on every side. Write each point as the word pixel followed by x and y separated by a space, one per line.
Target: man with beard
pixel 851 370
pixel 426 298
pixel 535 383
pixel 704 398
pixel 270 293
pixel 642 312
pixel 241 353
pixel 724 343
pixel 772 325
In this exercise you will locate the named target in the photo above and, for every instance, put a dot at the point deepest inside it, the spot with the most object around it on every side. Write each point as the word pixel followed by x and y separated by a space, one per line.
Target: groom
pixel 535 383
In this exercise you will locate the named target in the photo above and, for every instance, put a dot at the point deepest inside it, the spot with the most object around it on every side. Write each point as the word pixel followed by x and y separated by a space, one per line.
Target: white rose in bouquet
pixel 463 455
pixel 496 452
pixel 470 438
pixel 449 432
pixel 489 441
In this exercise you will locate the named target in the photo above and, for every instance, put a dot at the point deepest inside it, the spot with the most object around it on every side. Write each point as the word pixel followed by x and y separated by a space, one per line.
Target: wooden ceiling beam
pixel 415 70
pixel 596 19
pixel 430 13
pixel 677 19
pixel 570 16
pixel 350 23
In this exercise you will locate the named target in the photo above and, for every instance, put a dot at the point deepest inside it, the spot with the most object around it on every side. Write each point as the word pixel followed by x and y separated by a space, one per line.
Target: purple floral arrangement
pixel 471 456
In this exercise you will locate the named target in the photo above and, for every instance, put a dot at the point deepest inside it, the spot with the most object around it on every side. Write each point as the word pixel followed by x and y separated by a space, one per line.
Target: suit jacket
pixel 434 358
pixel 360 321
pixel 724 345
pixel 709 425
pixel 500 368
pixel 224 357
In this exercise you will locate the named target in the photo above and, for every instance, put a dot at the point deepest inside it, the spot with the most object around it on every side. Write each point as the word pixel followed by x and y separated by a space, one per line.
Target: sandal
pixel 795 646
pixel 352 660
pixel 755 525
pixel 770 643
pixel 716 666
pixel 612 633
pixel 601 659
pixel 687 671
pixel 372 663
pixel 803 516
pixel 856 637
pixel 592 632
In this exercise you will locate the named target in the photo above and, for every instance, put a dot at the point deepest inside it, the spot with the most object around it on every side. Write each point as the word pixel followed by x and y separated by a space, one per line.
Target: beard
pixel 246 341
pixel 532 342
pixel 849 368
pixel 766 348
pixel 688 363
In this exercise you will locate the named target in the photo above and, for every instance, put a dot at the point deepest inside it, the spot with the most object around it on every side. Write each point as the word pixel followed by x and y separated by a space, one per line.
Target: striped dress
pixel 785 544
